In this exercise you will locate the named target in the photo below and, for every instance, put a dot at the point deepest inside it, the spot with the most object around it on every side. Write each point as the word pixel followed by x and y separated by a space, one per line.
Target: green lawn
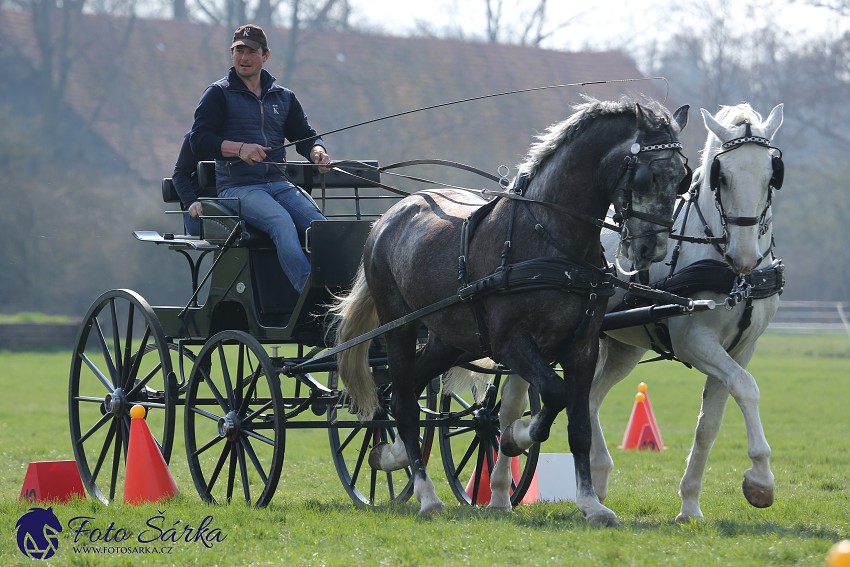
pixel 805 389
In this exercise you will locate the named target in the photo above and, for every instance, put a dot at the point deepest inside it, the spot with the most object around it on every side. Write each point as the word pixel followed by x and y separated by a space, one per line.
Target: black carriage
pixel 244 359
pixel 237 357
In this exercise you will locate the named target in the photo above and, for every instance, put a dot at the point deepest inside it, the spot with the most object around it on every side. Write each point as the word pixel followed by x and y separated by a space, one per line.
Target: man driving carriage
pixel 244 120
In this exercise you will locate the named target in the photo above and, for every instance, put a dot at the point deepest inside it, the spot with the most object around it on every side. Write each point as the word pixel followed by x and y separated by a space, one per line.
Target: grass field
pixel 805 408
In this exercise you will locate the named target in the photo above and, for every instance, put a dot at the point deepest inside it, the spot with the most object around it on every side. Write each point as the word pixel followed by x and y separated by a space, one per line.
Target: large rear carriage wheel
pixel 121 359
pixel 469 444
pixel 234 423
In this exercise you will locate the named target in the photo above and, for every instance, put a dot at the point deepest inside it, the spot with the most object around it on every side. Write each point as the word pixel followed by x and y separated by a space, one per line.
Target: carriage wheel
pixel 121 359
pixel 351 441
pixel 469 445
pixel 234 425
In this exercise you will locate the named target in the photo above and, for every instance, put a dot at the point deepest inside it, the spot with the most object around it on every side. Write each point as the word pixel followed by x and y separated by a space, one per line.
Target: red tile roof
pixel 138 81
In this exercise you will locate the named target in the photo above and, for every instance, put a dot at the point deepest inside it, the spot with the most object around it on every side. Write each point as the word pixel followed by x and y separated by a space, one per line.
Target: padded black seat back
pixel 169 193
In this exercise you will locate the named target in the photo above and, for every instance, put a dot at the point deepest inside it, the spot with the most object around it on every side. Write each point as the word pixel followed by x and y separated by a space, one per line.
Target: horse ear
pixel 774 121
pixel 681 116
pixel 641 116
pixel 712 124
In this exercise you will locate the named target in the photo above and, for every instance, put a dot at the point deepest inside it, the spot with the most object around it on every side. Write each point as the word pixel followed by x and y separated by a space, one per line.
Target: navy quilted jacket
pixel 228 110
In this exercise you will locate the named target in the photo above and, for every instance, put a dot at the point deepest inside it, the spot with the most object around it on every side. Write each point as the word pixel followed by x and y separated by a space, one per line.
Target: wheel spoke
pixel 460 431
pixel 116 460
pixel 218 466
pixel 137 361
pixel 128 346
pixel 243 470
pixel 100 376
pixel 225 372
pixel 231 472
pixel 209 444
pixel 107 442
pixel 211 416
pixel 479 461
pixel 94 428
pixel 351 436
pixel 360 457
pixel 249 449
pixel 258 437
pixel 250 417
pixel 466 456
pixel 246 399
pixel 214 390
pixel 463 403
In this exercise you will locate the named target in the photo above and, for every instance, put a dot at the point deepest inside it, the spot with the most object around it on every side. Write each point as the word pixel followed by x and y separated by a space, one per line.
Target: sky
pixel 599 24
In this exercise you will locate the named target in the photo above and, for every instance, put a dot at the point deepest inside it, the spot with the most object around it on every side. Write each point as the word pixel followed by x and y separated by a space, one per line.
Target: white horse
pixel 734 265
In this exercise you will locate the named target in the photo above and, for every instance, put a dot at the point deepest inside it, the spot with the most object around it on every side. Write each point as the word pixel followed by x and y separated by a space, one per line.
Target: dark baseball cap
pixel 251 36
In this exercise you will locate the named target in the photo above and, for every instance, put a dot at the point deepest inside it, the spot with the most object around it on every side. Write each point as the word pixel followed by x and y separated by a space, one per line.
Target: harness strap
pixel 743 323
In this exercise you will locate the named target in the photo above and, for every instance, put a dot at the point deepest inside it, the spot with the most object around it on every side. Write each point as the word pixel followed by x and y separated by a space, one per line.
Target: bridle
pixel 639 177
pixel 762 220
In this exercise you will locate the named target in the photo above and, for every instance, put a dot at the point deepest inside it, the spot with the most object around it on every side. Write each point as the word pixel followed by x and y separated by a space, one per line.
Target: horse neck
pixel 578 238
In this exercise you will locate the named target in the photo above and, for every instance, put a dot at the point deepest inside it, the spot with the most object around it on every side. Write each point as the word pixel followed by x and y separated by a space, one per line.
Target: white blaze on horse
pixel 722 250
pixel 529 269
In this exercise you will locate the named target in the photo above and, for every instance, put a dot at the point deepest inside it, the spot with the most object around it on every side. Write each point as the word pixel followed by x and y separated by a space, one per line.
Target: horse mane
pixel 729 115
pixel 583 115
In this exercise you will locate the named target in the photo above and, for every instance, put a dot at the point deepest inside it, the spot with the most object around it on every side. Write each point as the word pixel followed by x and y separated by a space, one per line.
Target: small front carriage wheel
pixel 352 440
pixel 121 359
pixel 469 443
pixel 235 426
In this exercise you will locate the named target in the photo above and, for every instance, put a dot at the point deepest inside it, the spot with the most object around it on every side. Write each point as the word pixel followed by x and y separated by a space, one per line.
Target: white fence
pixel 812 317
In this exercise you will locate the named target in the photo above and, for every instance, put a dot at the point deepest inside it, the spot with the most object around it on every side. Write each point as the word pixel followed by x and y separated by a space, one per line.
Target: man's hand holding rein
pixel 319 156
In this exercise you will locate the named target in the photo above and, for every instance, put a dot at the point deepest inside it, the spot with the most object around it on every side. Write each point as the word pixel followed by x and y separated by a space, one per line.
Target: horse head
pixel 743 169
pixel 652 174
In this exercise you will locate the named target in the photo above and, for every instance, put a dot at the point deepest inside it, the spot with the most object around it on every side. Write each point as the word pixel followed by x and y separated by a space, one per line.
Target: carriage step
pixel 173 240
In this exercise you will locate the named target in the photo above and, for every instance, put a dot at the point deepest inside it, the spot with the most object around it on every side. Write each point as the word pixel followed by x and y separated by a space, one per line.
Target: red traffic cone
pixel 484 494
pixel 642 431
pixel 148 478
pixel 52 480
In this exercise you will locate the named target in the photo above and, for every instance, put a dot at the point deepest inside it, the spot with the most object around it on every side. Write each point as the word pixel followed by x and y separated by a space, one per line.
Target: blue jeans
pixel 191 224
pixel 282 211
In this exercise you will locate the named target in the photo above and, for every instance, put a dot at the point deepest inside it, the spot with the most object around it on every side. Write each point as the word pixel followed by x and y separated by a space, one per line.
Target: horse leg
pixel 523 433
pixel 616 361
pixel 514 398
pixel 429 359
pixel 714 397
pixel 578 374
pixel 411 372
pixel 572 393
pixel 710 358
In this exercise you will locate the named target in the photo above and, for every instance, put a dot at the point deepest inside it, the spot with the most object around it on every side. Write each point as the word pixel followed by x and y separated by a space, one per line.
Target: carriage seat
pixel 220 215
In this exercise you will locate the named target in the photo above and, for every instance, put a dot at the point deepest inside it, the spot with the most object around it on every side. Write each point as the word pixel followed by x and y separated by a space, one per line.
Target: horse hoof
pixel 501 509
pixel 605 519
pixel 432 509
pixel 507 445
pixel 757 495
pixel 683 518
pixel 375 455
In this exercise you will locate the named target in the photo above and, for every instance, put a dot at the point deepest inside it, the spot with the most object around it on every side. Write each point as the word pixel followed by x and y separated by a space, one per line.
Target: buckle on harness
pixel 740 291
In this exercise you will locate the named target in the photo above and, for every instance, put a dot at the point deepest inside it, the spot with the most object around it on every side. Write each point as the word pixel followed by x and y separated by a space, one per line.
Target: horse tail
pixel 356 315
pixel 459 379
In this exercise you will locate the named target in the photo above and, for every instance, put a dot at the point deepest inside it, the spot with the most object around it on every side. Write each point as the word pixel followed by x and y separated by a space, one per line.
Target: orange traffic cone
pixel 642 431
pixel 148 478
pixel 484 494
